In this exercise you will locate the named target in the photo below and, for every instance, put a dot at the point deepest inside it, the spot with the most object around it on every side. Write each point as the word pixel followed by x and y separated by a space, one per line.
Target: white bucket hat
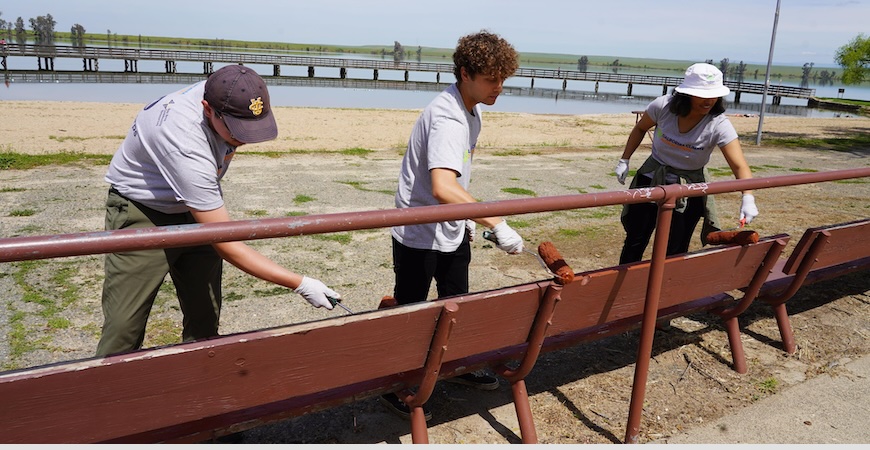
pixel 703 80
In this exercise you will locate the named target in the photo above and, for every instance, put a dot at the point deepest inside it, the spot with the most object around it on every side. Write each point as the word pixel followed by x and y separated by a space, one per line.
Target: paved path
pixel 824 410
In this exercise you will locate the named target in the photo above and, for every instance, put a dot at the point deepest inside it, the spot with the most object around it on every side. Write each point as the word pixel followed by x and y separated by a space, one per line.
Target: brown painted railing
pixel 87 243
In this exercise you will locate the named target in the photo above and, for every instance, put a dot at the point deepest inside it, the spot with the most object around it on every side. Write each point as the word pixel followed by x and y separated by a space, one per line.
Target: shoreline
pixel 44 127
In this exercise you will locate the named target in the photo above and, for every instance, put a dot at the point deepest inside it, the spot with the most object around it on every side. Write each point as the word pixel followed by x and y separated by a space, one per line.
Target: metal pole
pixel 767 76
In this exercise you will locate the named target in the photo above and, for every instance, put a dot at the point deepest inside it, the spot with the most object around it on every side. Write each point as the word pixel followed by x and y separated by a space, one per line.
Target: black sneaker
pixel 478 380
pixel 391 402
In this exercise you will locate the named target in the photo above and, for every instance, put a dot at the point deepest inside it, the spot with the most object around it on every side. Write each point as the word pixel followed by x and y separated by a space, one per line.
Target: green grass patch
pixel 12 190
pixel 598 186
pixel 514 152
pixel 519 223
pixel 19 161
pixel 356 151
pixel 21 213
pixel 568 232
pixel 341 238
pixel 278 154
pixel 842 144
pixel 232 296
pixel 719 171
pixel 519 191
pixel 301 198
pixel 161 332
pixel 256 212
pixel 57 293
pixel 277 290
pixel 360 185
pixel 853 181
pixel 80 138
pixel 768 386
pixel 801 169
pixel 295 213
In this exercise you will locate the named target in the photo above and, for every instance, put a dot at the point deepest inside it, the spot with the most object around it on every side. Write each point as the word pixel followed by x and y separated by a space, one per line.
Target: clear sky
pixel 740 30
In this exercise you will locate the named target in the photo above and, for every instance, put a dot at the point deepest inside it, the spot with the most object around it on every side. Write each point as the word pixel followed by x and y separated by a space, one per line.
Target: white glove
pixel 506 238
pixel 316 292
pixel 621 170
pixel 748 210
pixel 471 227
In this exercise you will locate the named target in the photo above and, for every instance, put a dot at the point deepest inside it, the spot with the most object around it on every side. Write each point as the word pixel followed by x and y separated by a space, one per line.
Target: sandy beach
pixel 578 395
pixel 46 127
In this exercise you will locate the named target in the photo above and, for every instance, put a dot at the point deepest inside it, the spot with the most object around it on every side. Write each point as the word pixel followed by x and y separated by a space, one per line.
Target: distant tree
pixel 108 38
pixel 2 22
pixel 826 77
pixel 854 58
pixel 398 51
pixel 20 31
pixel 419 53
pixel 583 63
pixel 43 29
pixel 723 66
pixel 741 72
pixel 709 61
pixel 77 35
pixel 615 63
pixel 805 74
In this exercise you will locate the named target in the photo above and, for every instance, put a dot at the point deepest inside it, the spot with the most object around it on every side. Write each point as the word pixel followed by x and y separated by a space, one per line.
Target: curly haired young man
pixel 436 169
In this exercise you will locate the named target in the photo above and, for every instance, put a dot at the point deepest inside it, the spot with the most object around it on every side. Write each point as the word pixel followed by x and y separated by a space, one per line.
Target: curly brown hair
pixel 485 53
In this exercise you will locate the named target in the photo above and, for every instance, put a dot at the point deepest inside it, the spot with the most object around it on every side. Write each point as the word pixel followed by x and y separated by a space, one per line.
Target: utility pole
pixel 767 76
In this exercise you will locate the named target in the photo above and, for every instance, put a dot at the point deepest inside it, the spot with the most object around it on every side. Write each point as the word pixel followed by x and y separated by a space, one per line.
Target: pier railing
pixel 209 58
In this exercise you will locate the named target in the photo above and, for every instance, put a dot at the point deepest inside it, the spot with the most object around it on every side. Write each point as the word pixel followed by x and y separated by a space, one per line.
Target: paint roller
pixel 549 257
pixel 739 237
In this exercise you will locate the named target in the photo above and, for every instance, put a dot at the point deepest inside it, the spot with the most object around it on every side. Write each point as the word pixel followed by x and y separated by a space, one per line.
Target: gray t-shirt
pixel 444 137
pixel 691 150
pixel 171 160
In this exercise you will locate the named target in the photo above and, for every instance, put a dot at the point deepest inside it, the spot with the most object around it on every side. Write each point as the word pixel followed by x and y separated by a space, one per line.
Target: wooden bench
pixel 196 391
pixel 822 253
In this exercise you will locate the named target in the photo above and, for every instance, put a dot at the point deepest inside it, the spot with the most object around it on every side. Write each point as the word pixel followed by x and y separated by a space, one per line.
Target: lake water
pixel 611 97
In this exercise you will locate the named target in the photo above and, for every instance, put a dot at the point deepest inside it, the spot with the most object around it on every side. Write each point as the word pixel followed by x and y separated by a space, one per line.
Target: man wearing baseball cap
pixel 690 124
pixel 167 171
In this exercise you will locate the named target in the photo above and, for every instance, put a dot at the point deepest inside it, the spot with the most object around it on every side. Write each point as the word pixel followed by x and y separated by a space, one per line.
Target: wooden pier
pixel 90 57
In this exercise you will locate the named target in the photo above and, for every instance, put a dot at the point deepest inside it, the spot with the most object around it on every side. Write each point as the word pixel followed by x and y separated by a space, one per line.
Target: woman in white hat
pixel 689 125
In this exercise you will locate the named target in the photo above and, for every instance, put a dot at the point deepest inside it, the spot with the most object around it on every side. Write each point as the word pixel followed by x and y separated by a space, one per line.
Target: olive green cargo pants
pixel 133 279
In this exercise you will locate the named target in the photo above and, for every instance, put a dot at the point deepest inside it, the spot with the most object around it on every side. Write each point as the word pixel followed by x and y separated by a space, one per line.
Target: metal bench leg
pixel 785 331
pixel 524 412
pixel 737 355
pixel 533 349
pixel 419 431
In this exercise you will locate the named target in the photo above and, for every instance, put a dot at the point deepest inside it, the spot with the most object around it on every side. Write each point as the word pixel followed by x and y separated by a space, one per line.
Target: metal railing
pixel 41 51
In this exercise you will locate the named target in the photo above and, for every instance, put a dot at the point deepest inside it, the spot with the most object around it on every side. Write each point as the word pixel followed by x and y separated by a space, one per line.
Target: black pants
pixel 415 269
pixel 640 222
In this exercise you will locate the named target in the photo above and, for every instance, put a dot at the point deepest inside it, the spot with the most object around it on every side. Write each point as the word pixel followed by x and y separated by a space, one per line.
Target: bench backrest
pixel 618 293
pixel 846 242
pixel 184 391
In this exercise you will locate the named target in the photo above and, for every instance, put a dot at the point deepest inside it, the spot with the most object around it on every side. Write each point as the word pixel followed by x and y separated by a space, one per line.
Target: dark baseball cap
pixel 240 95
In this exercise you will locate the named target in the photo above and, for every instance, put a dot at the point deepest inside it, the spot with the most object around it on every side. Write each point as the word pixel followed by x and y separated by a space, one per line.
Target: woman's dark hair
pixel 681 105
